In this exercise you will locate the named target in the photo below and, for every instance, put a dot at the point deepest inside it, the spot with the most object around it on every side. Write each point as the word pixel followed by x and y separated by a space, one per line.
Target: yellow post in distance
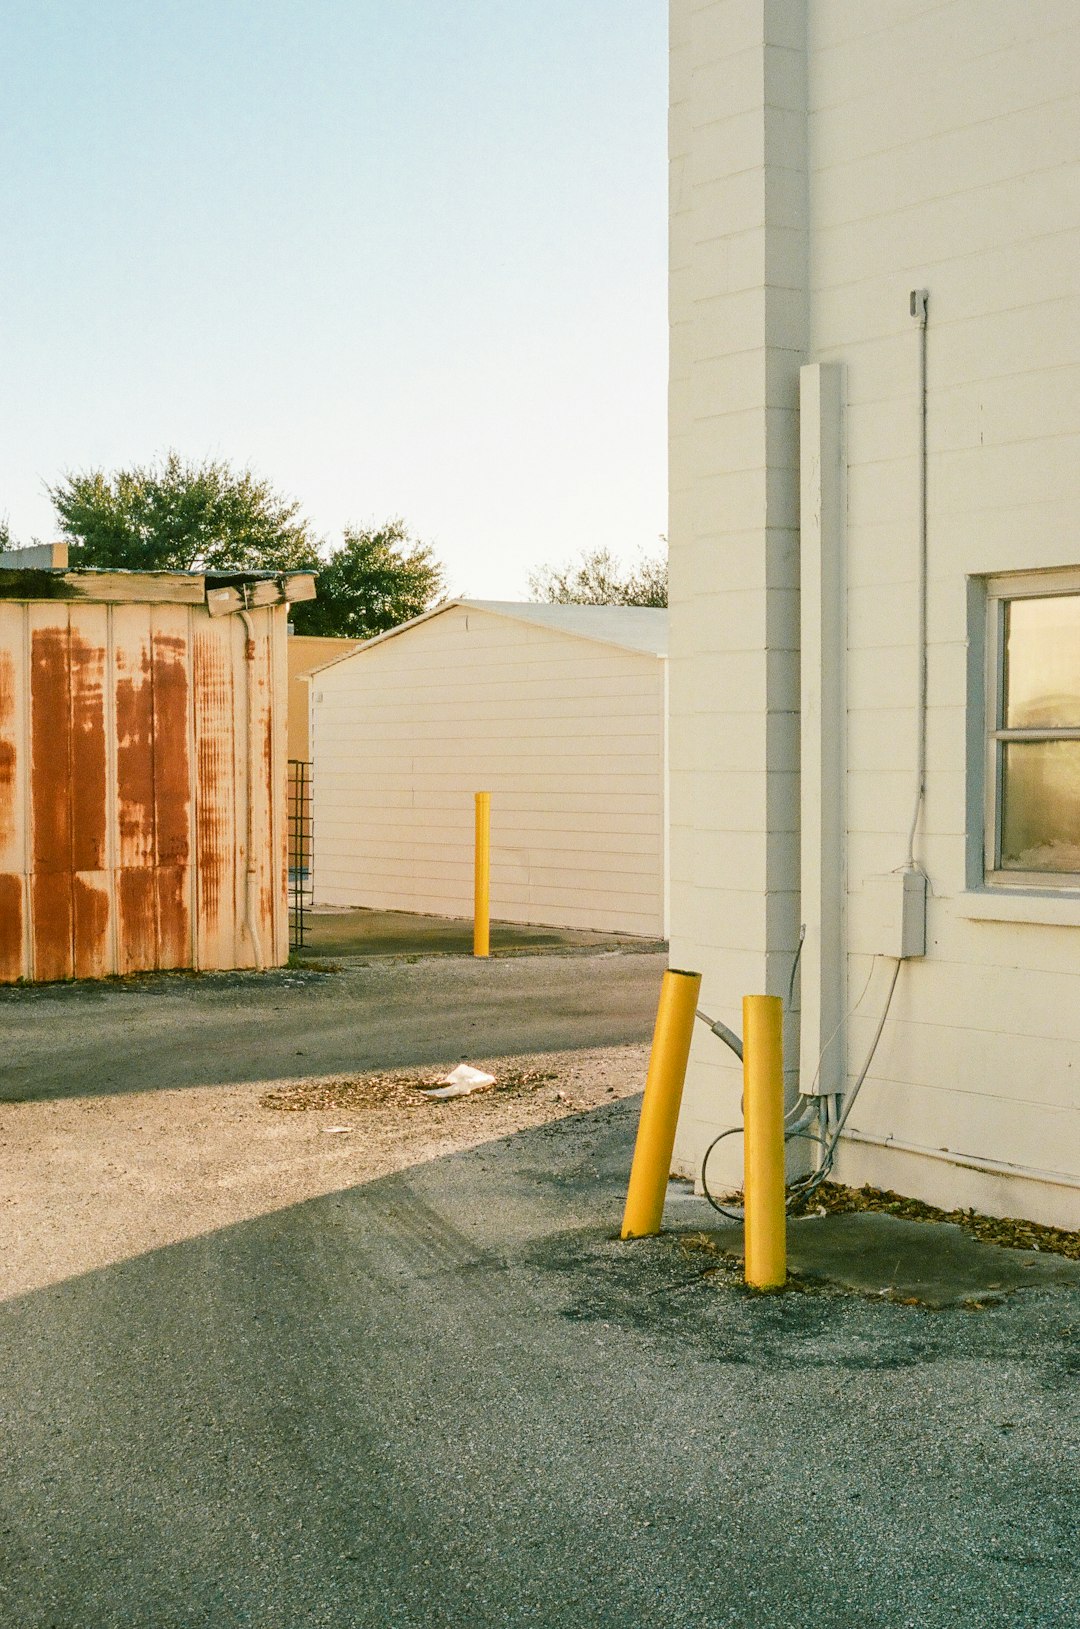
pixel 763 1159
pixel 481 941
pixel 651 1165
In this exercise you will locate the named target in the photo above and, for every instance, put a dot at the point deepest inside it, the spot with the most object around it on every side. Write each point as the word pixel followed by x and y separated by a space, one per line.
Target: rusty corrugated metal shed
pixel 142 771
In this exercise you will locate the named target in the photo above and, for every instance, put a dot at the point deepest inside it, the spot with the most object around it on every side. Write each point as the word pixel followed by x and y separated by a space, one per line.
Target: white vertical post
pixel 823 724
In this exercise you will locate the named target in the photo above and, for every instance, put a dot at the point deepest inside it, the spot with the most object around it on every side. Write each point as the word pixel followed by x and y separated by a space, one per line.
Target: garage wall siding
pixel 566 734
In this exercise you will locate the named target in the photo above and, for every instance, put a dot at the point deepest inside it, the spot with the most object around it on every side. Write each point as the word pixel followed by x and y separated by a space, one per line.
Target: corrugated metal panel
pixel 124 823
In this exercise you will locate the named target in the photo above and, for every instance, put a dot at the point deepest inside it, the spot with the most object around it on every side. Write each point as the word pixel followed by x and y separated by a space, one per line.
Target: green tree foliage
pixel 181 516
pixel 597 578
pixel 375 580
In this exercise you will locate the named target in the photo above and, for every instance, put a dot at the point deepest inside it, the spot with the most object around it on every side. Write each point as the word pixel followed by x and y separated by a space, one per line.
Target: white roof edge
pixel 503 608
pixel 381 638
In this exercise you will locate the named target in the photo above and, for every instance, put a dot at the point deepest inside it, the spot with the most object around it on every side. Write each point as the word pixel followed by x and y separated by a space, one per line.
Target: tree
pixel 597 578
pixel 180 516
pixel 377 579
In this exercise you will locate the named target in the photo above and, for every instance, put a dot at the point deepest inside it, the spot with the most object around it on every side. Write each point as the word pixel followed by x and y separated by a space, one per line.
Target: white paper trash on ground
pixel 459 1082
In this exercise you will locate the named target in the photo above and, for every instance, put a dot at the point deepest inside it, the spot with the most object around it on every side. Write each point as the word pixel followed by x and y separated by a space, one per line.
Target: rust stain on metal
pixel 172 779
pixel 135 765
pixel 52 928
pixel 171 883
pixel 50 753
pixel 91 929
pixel 181 828
pixel 89 799
pixel 8 758
pixel 172 794
pixel 214 839
pixel 11 929
pixel 136 919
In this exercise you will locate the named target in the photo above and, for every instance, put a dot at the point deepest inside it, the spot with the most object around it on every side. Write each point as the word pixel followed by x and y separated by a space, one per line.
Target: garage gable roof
pixel 640 628
pixel 634 627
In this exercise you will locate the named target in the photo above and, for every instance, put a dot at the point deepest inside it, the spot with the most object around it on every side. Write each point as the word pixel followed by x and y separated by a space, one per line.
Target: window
pixel 1033 731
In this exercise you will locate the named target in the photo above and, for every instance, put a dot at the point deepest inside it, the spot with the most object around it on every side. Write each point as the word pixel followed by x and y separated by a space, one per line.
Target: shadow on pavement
pixel 358 932
pixel 172 1031
pixel 453 1397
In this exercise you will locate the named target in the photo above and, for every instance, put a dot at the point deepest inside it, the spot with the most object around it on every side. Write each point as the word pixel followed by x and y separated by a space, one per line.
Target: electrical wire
pixel 795 967
pixel 804 1187
pixel 852 1010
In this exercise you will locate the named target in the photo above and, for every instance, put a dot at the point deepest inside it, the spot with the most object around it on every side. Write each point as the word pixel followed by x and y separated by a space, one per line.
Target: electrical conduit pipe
pixel 251 890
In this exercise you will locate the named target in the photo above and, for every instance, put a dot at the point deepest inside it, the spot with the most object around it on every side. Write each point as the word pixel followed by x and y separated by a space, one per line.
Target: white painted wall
pixel 738 253
pixel 937 146
pixel 566 733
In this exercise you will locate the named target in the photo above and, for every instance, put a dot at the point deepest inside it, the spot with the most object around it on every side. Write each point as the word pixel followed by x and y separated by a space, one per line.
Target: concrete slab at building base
pixel 936 1264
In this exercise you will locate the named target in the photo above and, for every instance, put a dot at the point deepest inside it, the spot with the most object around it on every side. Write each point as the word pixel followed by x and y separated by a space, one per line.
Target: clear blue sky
pixel 402 256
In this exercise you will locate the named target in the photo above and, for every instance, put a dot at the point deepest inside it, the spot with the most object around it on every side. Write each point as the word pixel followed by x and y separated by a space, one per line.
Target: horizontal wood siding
pixel 566 734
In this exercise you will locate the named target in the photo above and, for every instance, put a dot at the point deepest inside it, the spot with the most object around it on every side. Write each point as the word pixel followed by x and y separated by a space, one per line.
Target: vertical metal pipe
pixel 251 891
pixel 763 1114
pixel 651 1165
pixel 482 877
pixel 919 307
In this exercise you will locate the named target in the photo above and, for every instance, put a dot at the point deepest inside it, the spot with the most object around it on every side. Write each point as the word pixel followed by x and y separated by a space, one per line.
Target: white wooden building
pixel 556 710
pixel 856 191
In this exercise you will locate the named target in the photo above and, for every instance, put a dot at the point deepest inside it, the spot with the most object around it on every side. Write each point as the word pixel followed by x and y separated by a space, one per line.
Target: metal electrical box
pixel 896 913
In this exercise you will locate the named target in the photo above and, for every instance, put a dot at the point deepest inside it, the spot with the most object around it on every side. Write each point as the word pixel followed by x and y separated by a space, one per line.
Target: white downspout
pixel 919 304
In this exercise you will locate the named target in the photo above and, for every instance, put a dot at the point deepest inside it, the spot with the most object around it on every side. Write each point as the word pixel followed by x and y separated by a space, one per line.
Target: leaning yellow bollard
pixel 660 1106
pixel 481 940
pixel 763 1114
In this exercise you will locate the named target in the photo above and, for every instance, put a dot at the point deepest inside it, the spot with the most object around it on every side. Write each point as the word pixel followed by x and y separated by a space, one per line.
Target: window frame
pixel 1053 583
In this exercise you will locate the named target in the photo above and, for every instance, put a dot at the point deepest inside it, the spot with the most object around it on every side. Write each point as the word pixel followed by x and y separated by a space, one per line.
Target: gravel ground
pixel 85 1181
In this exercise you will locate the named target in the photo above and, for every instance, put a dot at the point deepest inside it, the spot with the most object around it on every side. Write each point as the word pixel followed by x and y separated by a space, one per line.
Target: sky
pixel 402 257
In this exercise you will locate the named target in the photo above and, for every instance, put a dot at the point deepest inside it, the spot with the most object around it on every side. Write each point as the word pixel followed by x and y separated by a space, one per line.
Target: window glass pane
pixel 1042 663
pixel 1040 817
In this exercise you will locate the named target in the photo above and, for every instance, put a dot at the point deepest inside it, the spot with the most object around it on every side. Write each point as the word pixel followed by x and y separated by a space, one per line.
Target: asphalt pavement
pixel 168 1031
pixel 453 1397
pixel 357 933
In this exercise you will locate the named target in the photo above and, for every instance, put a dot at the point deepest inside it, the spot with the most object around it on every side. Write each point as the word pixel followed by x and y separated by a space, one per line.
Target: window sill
pixel 1017 905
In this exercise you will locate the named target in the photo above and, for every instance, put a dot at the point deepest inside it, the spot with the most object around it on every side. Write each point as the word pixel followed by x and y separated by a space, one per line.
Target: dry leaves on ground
pixel 1011 1231
pixel 401 1089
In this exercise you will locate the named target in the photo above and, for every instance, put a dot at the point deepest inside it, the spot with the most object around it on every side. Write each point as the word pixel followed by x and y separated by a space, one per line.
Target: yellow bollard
pixel 763 1159
pixel 660 1107
pixel 481 936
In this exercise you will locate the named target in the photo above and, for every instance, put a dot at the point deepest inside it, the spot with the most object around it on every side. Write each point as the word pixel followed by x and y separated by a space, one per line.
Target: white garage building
pixel 557 710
